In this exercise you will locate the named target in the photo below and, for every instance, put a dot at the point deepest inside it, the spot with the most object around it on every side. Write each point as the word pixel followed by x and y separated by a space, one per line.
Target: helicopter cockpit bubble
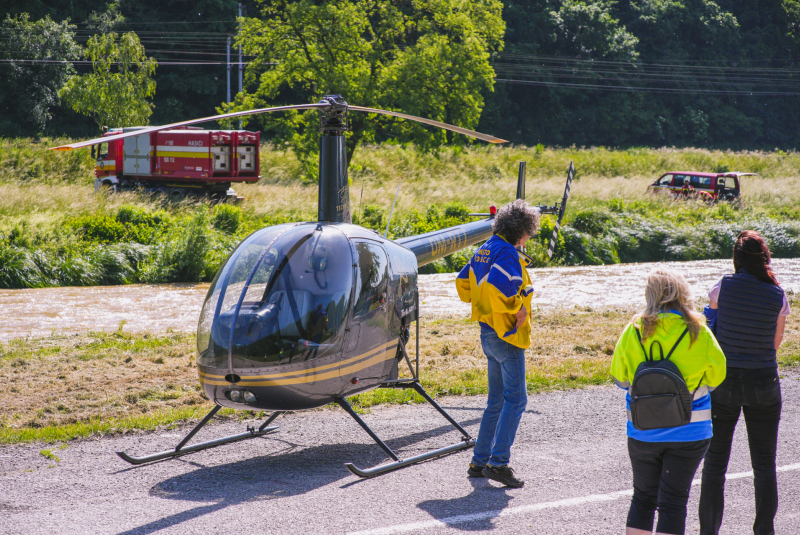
pixel 285 293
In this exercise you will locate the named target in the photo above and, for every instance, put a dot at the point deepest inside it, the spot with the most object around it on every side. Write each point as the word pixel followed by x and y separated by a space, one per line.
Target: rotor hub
pixel 333 120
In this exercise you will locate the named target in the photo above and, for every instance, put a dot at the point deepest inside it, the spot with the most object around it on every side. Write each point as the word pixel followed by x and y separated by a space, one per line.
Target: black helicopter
pixel 306 314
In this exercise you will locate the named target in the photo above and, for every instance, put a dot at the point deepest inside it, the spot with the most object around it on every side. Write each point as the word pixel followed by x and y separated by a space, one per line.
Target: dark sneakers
pixel 502 474
pixel 474 470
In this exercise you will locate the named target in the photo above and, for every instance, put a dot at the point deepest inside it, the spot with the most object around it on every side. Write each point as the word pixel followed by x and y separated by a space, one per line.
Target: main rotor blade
pixel 452 128
pixel 149 129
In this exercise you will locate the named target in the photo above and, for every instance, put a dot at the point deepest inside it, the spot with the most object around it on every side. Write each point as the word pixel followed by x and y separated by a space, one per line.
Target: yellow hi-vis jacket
pixel 497 284
pixel 702 365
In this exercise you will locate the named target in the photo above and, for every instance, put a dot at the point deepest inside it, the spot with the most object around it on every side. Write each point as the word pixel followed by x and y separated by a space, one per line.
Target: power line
pixel 87 62
pixel 633 89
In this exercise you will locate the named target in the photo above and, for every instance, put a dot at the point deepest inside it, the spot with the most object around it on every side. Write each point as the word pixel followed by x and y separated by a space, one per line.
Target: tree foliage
pixel 34 64
pixel 115 93
pixel 710 73
pixel 585 72
pixel 424 57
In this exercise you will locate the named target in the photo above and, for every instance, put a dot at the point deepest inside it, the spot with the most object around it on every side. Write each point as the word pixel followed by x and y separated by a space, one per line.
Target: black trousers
pixel 662 479
pixel 757 393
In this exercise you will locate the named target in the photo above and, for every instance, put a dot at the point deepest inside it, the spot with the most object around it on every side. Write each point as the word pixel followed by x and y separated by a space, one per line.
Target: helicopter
pixel 302 315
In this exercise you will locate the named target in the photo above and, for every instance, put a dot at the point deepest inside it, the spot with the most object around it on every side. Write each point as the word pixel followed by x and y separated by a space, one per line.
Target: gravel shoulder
pixel 570 450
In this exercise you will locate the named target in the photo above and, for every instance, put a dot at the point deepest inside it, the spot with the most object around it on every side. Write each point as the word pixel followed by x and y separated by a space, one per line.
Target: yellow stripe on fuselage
pixel 314 377
pixel 311 374
pixel 312 369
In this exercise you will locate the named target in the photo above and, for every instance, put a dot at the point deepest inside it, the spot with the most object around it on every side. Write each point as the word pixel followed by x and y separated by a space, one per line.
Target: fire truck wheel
pixel 108 188
pixel 177 195
pixel 159 195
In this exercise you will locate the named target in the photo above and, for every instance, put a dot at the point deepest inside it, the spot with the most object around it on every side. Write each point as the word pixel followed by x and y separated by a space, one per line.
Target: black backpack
pixel 659 395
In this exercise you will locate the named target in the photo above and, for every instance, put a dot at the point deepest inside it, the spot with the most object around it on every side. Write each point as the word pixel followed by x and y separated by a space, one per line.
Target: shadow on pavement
pixel 483 408
pixel 485 502
pixel 294 470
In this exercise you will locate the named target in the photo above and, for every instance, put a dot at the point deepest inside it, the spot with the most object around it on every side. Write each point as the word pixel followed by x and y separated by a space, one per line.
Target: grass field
pixel 55 230
pixel 64 387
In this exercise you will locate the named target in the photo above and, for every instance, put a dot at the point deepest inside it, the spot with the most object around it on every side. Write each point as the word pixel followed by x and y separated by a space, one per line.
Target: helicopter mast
pixel 334 191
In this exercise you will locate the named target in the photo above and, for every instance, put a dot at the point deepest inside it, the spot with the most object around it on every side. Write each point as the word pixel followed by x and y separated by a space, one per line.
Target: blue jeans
pixel 508 396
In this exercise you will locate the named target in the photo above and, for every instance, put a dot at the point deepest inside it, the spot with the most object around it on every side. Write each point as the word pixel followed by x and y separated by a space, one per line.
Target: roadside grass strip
pixel 422 527
pixel 59 388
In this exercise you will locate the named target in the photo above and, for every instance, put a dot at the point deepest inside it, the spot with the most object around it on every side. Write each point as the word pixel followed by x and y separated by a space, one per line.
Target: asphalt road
pixel 570 450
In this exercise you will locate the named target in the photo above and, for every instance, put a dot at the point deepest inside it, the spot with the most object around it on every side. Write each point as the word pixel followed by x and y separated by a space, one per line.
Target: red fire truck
pixel 179 162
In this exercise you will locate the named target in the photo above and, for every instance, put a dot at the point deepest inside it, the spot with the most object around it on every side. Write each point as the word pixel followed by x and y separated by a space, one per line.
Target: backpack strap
pixel 686 330
pixel 639 336
pixel 661 350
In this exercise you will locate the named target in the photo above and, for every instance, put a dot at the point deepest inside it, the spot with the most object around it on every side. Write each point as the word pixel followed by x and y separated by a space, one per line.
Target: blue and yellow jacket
pixel 497 284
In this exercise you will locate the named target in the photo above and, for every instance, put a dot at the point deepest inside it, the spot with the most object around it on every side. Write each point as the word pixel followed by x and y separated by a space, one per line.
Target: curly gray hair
pixel 516 219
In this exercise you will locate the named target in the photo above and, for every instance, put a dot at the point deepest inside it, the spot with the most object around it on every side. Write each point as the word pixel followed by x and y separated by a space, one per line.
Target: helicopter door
pixel 370 321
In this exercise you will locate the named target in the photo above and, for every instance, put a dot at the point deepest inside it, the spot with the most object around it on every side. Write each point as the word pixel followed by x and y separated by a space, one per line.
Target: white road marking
pixel 569 502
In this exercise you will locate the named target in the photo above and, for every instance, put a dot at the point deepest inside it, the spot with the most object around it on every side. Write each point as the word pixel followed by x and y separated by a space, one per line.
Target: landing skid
pixel 182 449
pixel 466 442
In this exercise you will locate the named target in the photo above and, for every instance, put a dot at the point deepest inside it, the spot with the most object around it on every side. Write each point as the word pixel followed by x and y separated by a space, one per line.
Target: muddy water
pixel 160 307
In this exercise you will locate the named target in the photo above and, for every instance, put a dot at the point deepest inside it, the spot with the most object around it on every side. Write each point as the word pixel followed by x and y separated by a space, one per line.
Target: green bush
pixel 183 258
pixel 372 217
pixel 226 217
pixel 99 228
pixel 592 221
pixel 17 268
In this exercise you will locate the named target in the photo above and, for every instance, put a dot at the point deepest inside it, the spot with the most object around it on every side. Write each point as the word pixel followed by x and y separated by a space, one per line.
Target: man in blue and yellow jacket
pixel 497 284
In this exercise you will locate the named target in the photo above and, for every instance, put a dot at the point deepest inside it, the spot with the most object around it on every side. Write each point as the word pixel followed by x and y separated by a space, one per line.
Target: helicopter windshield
pixel 293 306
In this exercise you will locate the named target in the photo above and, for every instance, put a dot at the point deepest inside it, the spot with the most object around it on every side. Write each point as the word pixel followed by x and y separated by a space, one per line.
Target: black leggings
pixel 662 479
pixel 756 393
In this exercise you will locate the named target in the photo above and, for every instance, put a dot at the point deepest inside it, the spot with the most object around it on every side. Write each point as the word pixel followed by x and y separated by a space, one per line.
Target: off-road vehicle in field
pixel 707 186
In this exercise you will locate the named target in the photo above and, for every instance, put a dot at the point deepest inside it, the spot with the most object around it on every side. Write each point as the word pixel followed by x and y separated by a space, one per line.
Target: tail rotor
pixel 561 209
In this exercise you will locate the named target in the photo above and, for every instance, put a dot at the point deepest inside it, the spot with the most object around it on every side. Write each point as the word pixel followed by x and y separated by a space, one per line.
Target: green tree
pixel 115 93
pixel 35 62
pixel 587 29
pixel 424 57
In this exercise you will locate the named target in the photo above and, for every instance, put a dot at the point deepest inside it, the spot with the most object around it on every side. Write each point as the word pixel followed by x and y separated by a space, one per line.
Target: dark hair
pixel 516 219
pixel 752 254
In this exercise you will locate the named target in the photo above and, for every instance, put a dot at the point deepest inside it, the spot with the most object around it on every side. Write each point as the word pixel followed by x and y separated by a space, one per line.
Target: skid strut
pixel 466 442
pixel 182 449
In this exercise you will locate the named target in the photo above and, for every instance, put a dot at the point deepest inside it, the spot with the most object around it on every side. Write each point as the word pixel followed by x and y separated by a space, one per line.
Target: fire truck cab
pixel 710 186
pixel 179 162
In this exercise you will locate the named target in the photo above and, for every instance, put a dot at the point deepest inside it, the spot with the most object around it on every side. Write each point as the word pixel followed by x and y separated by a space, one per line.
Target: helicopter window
pixel 296 301
pixel 228 284
pixel 372 280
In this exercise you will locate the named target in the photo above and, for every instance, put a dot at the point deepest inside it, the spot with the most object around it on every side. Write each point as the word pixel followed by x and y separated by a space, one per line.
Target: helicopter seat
pixel 286 318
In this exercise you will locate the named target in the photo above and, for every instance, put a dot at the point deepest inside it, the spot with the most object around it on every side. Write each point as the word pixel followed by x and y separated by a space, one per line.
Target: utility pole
pixel 229 69
pixel 241 66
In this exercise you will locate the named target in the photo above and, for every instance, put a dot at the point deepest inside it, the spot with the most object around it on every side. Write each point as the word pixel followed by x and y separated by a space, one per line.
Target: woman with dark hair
pixel 751 310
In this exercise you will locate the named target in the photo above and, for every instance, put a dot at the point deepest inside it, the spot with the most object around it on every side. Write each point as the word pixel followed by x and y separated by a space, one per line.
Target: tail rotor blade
pixel 562 209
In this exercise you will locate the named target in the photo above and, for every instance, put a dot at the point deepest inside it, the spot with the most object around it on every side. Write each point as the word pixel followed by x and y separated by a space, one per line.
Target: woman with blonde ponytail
pixel 665 459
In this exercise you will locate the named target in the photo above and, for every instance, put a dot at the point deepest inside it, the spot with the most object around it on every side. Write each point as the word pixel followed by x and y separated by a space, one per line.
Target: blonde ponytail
pixel 668 290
